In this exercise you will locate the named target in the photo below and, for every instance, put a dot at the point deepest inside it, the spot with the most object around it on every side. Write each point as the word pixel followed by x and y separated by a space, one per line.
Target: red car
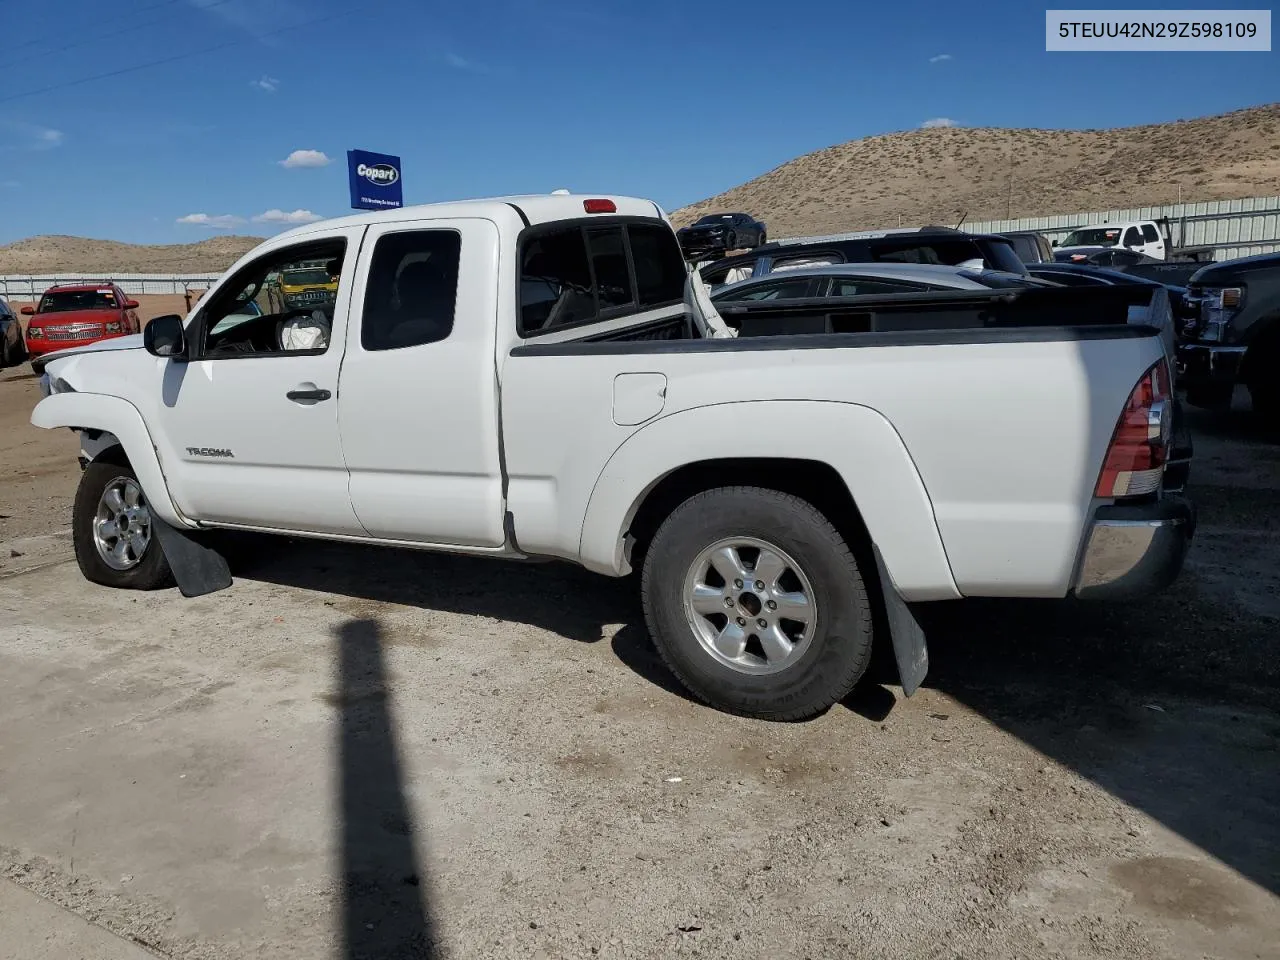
pixel 73 315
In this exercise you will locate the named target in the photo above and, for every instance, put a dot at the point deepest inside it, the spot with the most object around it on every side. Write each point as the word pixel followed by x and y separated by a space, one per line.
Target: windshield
pixel 304 278
pixel 714 218
pixel 66 300
pixel 1093 237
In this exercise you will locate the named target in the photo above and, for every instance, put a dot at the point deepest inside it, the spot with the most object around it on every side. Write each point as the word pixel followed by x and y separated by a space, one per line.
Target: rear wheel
pixel 111 528
pixel 756 604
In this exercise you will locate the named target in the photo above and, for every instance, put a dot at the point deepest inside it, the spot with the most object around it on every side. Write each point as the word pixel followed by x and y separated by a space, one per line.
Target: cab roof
pixel 532 208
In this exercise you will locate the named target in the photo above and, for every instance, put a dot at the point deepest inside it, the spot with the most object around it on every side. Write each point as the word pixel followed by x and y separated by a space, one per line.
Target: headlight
pixel 1217 306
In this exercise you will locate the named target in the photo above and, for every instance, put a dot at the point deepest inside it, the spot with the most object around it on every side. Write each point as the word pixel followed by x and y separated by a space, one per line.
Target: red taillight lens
pixel 599 206
pixel 1140 445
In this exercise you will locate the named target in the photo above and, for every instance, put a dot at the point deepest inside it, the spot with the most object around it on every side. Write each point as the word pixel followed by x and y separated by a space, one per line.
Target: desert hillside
pixel 107 257
pixel 936 175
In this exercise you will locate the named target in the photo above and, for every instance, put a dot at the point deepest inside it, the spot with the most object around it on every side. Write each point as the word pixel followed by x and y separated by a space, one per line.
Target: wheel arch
pixel 122 435
pixel 773 443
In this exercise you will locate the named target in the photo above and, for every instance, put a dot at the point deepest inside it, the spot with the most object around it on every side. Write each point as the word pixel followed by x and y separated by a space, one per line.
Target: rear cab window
pixel 412 289
pixel 577 273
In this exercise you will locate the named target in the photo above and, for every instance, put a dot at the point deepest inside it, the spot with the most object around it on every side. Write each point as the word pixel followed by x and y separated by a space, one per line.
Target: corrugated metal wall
pixel 28 287
pixel 1237 228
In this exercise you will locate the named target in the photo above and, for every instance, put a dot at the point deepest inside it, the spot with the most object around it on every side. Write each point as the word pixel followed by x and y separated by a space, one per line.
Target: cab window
pixel 412 289
pixel 280 304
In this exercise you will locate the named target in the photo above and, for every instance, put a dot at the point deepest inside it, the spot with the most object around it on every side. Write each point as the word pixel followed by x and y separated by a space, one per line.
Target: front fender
pixel 95 411
pixel 856 441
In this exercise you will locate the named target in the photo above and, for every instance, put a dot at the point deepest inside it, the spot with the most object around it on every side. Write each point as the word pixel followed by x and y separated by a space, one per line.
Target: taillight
pixel 599 206
pixel 1140 445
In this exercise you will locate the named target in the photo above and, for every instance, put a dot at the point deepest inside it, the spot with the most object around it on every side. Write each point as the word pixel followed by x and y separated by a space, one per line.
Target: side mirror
pixel 28 311
pixel 1053 243
pixel 131 304
pixel 165 337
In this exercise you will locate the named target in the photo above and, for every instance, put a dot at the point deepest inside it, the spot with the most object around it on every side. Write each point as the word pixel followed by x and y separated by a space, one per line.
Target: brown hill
pixel 107 257
pixel 936 175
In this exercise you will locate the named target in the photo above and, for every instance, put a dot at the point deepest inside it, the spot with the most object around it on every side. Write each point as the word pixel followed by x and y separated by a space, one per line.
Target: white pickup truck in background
pixel 1147 237
pixel 540 377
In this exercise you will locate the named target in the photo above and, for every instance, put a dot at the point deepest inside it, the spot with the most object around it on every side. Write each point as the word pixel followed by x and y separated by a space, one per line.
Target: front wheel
pixel 111 528
pixel 756 604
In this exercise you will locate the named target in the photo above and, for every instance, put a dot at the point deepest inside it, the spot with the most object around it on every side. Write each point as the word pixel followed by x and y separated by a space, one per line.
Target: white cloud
pixel 47 138
pixel 265 83
pixel 281 216
pixel 29 136
pixel 462 63
pixel 937 122
pixel 223 221
pixel 305 158
pixel 940 57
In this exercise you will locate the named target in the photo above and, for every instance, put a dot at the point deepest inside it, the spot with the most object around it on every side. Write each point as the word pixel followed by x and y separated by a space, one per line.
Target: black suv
pixel 1030 246
pixel 942 245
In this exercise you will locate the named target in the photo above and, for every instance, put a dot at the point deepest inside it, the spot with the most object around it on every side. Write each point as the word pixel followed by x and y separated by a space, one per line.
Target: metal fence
pixel 1233 228
pixel 31 286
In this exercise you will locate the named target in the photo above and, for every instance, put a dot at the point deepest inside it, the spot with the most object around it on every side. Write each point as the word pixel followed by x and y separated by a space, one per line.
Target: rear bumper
pixel 1135 550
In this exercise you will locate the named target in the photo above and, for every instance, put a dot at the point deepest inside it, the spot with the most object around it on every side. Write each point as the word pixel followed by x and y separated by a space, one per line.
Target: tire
pixel 730 242
pixel 144 566
pixel 827 657
pixel 7 358
pixel 763 239
pixel 1210 396
pixel 1261 372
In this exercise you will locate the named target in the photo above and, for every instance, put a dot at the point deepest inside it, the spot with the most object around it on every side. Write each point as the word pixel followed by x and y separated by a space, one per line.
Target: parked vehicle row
pixel 927 245
pixel 542 377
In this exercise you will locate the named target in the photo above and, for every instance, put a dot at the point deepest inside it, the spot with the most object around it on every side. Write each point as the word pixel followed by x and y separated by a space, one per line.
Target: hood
pixel 1234 271
pixel 131 342
pixel 703 227
pixel 61 317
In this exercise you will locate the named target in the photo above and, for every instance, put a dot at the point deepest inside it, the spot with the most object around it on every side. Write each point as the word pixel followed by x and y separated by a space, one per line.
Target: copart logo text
pixel 379 174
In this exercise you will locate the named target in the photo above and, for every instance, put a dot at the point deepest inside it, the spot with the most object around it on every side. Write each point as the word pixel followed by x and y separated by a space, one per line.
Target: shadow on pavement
pixel 385 910
pixel 1170 713
pixel 1168 703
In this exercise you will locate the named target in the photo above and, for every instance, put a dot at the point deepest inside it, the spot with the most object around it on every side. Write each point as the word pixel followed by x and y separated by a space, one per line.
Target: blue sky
pixel 670 100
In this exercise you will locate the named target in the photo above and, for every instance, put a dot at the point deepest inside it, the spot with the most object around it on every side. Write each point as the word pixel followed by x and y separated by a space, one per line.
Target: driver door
pixel 249 429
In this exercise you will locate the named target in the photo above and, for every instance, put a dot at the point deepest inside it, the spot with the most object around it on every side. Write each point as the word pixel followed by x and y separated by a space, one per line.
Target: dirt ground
pixel 354 753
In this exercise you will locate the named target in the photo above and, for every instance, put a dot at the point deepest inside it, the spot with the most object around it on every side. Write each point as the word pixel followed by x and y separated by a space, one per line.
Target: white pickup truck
pixel 541 377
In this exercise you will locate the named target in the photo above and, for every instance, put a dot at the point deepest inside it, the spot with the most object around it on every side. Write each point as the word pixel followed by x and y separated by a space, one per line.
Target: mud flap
pixel 197 568
pixel 909 647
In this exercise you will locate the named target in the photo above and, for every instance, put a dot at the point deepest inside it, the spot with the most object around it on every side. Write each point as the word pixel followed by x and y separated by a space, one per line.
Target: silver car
pixel 868 279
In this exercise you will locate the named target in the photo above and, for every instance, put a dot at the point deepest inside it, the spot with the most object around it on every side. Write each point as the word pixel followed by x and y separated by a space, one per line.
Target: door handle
pixel 313 394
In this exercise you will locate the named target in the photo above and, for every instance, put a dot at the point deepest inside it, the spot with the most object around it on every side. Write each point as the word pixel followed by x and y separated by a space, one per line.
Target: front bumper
pixel 1202 364
pixel 1135 550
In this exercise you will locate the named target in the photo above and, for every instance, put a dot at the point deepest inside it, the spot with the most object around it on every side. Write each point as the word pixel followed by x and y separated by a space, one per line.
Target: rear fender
pixel 856 441
pixel 112 415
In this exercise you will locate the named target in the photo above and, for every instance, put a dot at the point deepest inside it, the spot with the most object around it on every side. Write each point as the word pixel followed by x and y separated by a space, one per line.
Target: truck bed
pixel 1024 310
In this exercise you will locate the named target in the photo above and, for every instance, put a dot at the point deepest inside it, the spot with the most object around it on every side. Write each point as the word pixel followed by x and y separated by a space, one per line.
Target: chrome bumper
pixel 1135 550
